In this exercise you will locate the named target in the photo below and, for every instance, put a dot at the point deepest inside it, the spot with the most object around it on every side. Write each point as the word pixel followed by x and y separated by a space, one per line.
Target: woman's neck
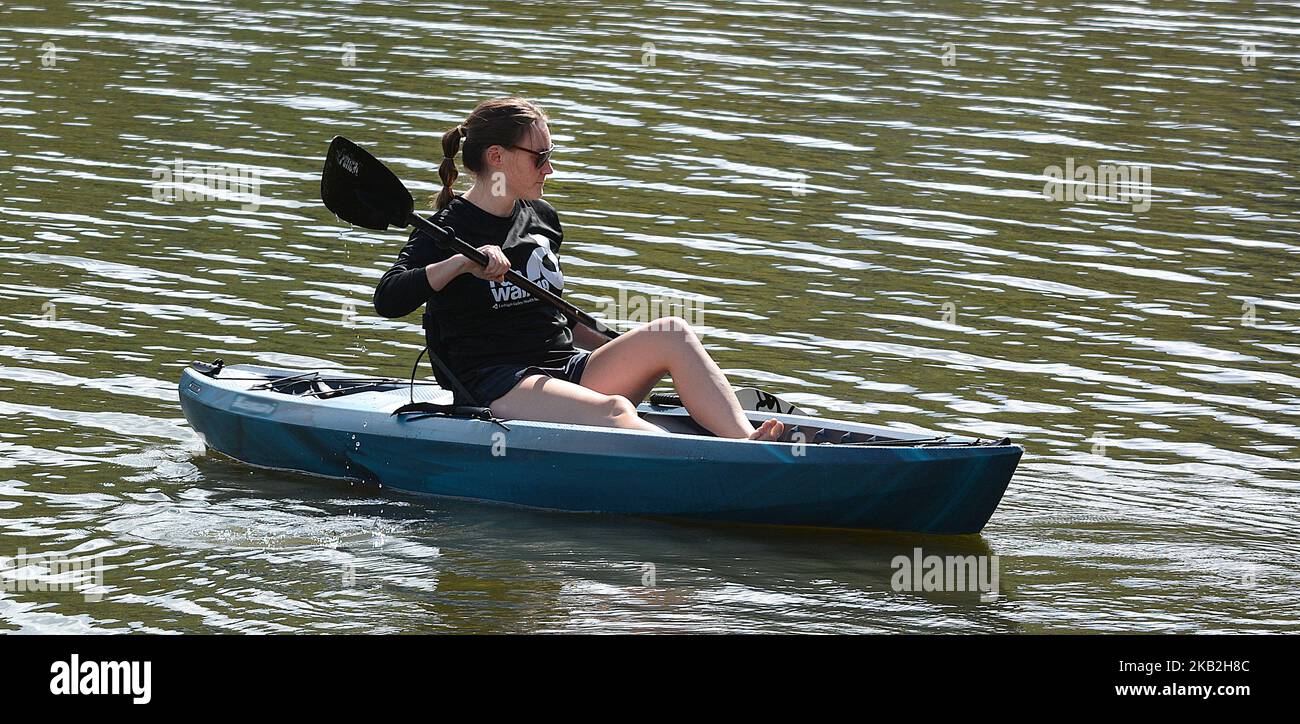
pixel 502 206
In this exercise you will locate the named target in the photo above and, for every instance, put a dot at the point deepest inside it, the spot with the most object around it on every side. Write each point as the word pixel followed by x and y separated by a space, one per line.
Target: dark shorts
pixel 494 382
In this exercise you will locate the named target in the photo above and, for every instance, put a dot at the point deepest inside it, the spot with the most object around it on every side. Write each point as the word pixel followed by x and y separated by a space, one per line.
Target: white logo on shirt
pixel 544 268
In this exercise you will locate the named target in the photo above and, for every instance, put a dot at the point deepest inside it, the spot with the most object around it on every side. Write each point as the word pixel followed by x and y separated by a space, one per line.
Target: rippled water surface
pixel 855 192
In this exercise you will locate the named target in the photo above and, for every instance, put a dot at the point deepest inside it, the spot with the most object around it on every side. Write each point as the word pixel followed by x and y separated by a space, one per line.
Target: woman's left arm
pixel 587 338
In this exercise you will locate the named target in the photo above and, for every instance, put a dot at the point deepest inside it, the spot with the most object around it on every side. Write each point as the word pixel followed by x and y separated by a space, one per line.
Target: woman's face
pixel 514 171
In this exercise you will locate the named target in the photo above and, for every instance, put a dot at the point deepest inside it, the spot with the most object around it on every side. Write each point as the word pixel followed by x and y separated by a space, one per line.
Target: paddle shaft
pixel 513 276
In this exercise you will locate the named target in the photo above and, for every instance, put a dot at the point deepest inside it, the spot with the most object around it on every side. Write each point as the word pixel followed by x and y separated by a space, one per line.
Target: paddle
pixel 362 191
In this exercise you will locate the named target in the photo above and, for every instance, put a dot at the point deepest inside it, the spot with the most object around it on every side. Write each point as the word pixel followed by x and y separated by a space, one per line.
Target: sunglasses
pixel 542 156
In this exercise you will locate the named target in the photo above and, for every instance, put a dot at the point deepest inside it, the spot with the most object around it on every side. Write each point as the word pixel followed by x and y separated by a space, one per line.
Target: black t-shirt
pixel 473 323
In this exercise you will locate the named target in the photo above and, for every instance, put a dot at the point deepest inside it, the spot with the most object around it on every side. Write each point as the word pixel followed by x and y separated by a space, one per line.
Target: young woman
pixel 515 353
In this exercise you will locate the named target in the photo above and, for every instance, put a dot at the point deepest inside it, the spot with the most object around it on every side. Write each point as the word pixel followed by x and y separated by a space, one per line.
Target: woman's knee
pixel 619 410
pixel 674 334
pixel 671 324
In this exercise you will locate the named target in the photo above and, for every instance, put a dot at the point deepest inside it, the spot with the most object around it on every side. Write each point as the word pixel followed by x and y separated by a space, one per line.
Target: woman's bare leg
pixel 546 399
pixel 631 365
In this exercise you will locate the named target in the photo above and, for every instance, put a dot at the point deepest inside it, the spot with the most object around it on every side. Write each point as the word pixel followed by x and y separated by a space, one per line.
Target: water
pixel 854 193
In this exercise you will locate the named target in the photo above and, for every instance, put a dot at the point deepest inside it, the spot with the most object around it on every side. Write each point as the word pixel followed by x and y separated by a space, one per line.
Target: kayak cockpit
pixel 417 398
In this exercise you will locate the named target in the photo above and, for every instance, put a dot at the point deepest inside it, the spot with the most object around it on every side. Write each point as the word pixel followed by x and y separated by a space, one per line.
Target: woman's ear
pixel 492 155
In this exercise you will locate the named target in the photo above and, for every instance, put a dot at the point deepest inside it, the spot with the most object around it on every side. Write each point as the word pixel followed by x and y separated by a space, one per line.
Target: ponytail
pixel 447 169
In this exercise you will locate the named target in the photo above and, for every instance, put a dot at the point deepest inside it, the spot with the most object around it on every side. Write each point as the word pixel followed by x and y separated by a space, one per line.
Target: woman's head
pixel 503 140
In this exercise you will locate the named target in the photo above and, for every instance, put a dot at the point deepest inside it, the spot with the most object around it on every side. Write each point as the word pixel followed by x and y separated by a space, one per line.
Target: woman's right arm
pixel 423 268
pixel 406 285
pixel 440 273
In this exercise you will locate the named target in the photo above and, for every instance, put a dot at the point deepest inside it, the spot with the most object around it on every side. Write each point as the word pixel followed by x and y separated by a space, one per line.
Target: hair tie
pixel 463 131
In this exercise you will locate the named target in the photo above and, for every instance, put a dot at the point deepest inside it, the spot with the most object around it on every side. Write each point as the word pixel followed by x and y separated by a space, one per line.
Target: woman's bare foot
pixel 769 431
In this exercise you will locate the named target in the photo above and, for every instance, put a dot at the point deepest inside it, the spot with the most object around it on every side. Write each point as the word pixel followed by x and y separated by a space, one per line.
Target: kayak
pixel 824 473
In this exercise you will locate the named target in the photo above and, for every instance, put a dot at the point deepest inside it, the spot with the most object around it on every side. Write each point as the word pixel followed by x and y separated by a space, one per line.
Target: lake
pixel 1074 225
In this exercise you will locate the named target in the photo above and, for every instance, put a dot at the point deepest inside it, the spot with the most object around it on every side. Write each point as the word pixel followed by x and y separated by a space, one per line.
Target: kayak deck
pixel 830 473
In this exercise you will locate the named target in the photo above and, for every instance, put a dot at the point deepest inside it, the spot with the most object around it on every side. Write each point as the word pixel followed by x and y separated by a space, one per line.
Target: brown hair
pixel 500 121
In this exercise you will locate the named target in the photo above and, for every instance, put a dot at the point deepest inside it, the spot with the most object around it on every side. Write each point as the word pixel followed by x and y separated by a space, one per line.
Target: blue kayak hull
pixel 940 489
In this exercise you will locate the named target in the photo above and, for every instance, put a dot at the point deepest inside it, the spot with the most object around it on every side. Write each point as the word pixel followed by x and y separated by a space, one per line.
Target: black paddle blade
pixel 361 190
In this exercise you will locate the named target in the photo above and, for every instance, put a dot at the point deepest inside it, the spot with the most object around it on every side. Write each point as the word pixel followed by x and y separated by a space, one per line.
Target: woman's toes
pixel 768 431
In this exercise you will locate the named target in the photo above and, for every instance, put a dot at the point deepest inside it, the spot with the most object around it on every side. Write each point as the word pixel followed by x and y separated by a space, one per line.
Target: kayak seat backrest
pixel 437 360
